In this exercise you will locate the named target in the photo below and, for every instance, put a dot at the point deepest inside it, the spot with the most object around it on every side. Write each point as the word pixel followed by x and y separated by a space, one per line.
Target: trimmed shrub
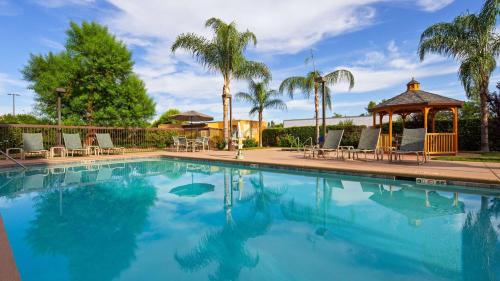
pixel 284 137
pixel 469 133
pixel 249 142
pixel 219 142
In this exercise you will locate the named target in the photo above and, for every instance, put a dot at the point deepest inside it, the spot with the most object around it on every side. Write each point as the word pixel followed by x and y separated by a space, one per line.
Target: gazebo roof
pixel 413 98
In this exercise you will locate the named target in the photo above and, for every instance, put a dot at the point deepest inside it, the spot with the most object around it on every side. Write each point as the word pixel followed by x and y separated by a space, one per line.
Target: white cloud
pixel 382 70
pixel 280 25
pixel 24 103
pixel 7 83
pixel 52 44
pixel 433 5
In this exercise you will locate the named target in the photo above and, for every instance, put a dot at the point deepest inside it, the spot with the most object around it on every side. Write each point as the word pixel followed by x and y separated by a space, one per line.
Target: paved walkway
pixel 487 173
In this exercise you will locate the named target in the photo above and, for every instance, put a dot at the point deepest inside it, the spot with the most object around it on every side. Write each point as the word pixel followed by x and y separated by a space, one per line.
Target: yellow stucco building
pixel 249 128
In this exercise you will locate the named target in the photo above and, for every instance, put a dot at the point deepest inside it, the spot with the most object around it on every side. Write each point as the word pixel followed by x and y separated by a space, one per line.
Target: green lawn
pixel 473 157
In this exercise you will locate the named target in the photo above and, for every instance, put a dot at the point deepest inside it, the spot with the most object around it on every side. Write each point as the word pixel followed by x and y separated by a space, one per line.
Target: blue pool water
pixel 165 219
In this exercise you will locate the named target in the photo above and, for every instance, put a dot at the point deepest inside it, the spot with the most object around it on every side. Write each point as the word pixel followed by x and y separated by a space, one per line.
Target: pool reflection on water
pixel 165 219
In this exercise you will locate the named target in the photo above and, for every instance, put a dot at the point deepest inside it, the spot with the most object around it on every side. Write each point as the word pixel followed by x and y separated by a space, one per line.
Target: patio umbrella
pixel 192 116
pixel 193 189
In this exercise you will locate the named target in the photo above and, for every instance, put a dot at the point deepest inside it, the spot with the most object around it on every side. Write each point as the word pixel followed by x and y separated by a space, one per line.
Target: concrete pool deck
pixel 455 172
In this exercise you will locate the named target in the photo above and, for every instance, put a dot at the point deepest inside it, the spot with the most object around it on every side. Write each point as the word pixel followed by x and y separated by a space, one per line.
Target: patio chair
pixel 106 144
pixel 180 142
pixel 206 143
pixel 413 142
pixel 73 144
pixel 197 144
pixel 368 143
pixel 331 144
pixel 32 143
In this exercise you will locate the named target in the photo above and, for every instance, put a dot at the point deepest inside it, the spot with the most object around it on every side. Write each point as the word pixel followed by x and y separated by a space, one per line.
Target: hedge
pixel 469 133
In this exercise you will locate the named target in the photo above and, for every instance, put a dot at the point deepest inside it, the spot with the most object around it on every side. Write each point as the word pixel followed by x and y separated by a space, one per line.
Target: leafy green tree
pixel 261 98
pixel 307 85
pixel 472 40
pixel 96 71
pixel 370 106
pixel 494 103
pixel 97 244
pixel 224 53
pixel 165 118
pixel 470 110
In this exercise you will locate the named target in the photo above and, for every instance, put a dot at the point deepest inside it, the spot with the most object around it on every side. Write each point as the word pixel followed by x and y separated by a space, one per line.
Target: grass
pixel 473 157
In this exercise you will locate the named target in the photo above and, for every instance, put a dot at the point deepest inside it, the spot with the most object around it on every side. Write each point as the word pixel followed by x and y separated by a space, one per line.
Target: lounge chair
pixel 413 142
pixel 33 180
pixel 72 177
pixel 368 143
pixel 106 144
pixel 331 144
pixel 73 144
pixel 180 142
pixel 32 143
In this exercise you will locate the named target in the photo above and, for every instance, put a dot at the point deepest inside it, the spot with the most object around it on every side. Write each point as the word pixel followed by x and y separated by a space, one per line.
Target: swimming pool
pixel 164 219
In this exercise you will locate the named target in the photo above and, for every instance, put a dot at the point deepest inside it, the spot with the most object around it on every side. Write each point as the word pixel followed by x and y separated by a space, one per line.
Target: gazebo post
pixel 426 116
pixel 381 117
pixel 455 128
pixel 390 128
pixel 433 121
pixel 374 118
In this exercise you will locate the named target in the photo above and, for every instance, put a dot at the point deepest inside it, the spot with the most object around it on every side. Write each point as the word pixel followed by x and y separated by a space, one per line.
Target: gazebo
pixel 414 100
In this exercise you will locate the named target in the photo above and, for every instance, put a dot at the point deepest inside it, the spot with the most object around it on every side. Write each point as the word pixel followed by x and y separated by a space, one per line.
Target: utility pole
pixel 14 102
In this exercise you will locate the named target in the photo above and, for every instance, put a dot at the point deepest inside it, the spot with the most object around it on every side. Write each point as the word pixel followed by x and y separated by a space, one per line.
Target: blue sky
pixel 375 39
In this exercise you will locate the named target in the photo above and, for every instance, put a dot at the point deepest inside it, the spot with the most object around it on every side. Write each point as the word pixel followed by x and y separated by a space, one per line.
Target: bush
pixel 219 142
pixel 249 142
pixel 23 119
pixel 160 138
pixel 469 133
pixel 284 137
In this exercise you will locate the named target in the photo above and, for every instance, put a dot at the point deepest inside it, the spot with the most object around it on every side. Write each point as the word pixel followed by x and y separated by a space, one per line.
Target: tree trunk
pixel 260 128
pixel 316 111
pixel 90 110
pixel 225 106
pixel 483 96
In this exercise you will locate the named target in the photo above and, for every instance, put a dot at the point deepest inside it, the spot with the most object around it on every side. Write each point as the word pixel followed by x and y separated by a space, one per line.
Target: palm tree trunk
pixel 483 96
pixel 316 111
pixel 225 108
pixel 260 128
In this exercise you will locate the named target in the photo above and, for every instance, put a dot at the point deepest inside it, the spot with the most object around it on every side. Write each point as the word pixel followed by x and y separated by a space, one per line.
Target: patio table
pixel 61 149
pixel 94 149
pixel 191 143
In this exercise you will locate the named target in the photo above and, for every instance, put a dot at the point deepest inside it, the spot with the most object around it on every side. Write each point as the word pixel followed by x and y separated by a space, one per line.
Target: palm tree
pixel 261 98
pixel 224 53
pixel 470 39
pixel 307 84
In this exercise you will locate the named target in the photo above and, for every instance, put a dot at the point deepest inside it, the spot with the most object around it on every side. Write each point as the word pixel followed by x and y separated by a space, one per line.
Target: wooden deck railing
pixel 440 143
pixel 436 143
pixel 383 142
pixel 133 139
